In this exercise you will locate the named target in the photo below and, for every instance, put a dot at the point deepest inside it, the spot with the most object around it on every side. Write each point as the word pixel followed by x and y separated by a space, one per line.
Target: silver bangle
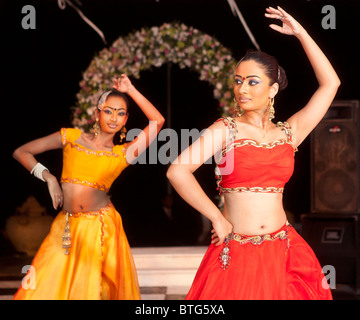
pixel 38 170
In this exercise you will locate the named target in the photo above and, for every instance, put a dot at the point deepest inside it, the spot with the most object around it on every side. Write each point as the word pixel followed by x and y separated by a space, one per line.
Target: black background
pixel 41 70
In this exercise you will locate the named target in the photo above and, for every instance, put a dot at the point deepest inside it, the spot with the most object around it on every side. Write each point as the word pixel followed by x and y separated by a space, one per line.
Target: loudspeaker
pixel 335 149
pixel 335 239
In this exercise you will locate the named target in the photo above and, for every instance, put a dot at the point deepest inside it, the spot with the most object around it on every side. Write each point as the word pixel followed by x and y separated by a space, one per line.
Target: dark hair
pixel 271 66
pixel 116 93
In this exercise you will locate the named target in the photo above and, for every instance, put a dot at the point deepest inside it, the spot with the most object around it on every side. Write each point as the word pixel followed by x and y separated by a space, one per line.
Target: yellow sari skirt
pixel 99 263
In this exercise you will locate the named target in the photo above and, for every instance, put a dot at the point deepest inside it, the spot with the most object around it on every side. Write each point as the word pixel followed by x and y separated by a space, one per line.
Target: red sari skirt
pixel 278 266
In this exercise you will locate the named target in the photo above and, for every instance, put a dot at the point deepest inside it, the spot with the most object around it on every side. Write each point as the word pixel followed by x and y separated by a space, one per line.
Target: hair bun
pixel 271 66
pixel 282 78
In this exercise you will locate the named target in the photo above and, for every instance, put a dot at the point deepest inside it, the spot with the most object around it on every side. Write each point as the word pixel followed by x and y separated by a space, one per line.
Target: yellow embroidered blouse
pixel 96 169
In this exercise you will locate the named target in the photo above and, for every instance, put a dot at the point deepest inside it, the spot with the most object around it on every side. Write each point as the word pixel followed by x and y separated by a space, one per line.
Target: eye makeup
pixel 239 79
pixel 110 110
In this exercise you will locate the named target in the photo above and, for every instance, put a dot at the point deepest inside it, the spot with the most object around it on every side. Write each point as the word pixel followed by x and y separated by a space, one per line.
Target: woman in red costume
pixel 255 253
pixel 86 255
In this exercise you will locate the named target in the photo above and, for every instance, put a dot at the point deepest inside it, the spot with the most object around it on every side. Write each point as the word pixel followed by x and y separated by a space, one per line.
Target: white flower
pixel 215 69
pixel 159 45
pixel 187 63
pixel 158 62
pixel 155 30
pixel 91 110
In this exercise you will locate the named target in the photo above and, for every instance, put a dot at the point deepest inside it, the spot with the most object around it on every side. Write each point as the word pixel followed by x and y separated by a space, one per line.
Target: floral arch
pixel 152 47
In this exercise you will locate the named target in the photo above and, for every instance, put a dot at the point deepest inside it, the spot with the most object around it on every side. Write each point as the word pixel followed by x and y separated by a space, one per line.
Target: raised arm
pixel 305 120
pixel 26 153
pixel 144 139
pixel 183 180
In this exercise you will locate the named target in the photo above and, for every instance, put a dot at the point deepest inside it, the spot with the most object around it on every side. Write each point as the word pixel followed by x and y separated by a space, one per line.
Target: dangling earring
pixel 271 109
pixel 123 133
pixel 237 111
pixel 96 127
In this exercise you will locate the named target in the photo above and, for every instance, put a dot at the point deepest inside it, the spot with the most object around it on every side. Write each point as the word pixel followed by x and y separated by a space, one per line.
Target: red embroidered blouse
pixel 246 165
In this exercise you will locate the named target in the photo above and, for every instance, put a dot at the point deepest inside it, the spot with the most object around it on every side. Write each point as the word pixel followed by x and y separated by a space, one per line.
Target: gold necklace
pixel 262 131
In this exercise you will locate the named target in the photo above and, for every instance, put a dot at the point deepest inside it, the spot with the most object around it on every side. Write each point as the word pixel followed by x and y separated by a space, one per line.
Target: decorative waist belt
pixel 225 257
pixel 66 238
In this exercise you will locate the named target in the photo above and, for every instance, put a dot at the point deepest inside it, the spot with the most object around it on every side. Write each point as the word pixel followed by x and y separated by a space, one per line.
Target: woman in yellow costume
pixel 86 255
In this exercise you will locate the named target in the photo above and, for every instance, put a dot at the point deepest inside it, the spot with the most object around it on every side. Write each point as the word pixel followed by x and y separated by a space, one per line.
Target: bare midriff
pixel 253 213
pixel 80 198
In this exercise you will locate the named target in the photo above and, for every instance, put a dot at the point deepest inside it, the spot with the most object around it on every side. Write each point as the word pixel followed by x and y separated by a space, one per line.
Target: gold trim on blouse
pixel 85 183
pixel 233 144
pixel 253 189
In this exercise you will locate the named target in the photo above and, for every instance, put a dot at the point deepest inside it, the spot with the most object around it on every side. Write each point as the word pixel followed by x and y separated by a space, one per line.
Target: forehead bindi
pixel 249 69
pixel 115 103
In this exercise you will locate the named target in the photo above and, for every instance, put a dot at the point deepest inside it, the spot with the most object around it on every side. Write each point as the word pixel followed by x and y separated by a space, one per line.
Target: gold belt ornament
pixel 258 239
pixel 225 257
pixel 66 238
pixel 67 235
